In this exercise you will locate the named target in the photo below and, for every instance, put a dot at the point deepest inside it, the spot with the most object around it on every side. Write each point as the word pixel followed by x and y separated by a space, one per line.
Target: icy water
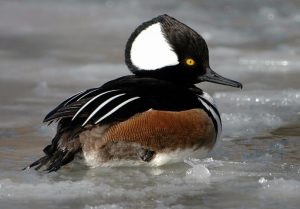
pixel 52 49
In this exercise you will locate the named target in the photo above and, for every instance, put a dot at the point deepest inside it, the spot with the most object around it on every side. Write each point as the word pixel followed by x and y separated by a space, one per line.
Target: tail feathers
pixel 39 163
pixel 60 159
pixel 54 162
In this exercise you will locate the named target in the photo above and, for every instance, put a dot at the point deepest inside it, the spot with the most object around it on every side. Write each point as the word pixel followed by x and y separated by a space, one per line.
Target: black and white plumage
pixel 139 117
pixel 120 99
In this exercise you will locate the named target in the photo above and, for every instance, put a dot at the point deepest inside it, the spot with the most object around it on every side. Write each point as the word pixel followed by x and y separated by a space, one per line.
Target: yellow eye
pixel 190 62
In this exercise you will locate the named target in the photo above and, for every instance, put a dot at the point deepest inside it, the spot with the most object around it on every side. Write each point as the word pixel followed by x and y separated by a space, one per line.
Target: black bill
pixel 213 77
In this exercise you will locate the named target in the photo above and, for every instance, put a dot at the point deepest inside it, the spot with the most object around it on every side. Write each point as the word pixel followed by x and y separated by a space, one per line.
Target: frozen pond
pixel 52 49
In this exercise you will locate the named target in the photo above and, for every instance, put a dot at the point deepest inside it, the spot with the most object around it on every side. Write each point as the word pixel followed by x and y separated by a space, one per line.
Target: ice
pixel 60 190
pixel 198 172
pixel 249 113
pixel 284 190
pixel 106 206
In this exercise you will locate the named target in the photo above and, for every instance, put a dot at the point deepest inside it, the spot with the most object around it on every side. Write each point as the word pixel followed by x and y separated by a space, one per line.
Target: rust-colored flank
pixel 157 130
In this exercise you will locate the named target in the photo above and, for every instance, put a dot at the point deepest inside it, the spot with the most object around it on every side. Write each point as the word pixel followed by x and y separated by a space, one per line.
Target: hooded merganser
pixel 153 117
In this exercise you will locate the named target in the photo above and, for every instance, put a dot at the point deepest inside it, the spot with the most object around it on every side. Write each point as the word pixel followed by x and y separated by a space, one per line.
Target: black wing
pixel 100 105
pixel 122 98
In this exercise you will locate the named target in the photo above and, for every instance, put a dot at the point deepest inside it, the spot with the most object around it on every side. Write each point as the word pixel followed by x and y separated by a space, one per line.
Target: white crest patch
pixel 150 50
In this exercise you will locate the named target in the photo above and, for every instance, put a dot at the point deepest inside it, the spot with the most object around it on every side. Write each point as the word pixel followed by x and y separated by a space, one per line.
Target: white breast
pixel 177 156
pixel 92 158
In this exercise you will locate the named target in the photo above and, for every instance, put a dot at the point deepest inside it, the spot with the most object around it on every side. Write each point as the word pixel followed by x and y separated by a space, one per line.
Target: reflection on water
pixel 52 49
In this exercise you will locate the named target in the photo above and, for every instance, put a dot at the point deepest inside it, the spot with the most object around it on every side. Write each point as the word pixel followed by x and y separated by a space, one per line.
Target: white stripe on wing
pixel 86 104
pixel 100 106
pixel 116 108
pixel 86 94
pixel 67 101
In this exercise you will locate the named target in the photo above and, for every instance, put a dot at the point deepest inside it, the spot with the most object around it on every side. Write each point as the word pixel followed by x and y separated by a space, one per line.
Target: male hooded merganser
pixel 153 117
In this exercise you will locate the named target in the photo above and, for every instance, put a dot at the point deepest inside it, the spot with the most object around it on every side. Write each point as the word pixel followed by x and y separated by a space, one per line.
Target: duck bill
pixel 213 77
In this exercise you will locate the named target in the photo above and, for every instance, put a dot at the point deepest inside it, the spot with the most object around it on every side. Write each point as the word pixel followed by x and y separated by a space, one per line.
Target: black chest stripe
pixel 213 113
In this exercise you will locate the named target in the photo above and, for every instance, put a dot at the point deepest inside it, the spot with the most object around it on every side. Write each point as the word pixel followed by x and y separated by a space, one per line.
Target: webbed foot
pixel 146 154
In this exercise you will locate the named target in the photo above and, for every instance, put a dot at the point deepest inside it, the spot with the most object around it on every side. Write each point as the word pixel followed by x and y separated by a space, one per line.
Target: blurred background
pixel 50 50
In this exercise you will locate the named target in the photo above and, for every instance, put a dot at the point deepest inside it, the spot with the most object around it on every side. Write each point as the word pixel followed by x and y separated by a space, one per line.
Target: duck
pixel 154 116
